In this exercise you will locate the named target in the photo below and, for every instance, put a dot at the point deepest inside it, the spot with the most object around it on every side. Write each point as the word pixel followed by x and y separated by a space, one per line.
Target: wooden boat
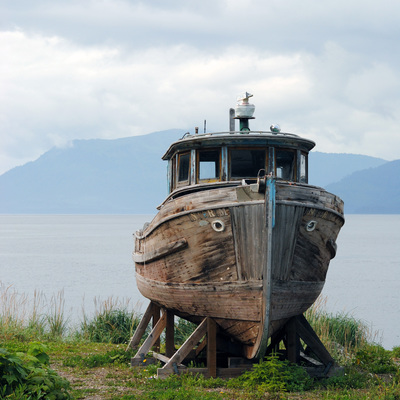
pixel 242 237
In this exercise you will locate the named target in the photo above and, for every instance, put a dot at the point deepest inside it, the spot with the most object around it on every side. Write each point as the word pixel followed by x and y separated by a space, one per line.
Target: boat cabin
pixel 234 156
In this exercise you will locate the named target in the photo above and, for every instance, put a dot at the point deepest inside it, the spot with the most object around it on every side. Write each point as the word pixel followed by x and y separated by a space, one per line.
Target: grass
pixel 92 357
pixel 113 322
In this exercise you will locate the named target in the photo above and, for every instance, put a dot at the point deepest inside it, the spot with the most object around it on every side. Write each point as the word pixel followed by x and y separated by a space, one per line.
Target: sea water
pixel 89 259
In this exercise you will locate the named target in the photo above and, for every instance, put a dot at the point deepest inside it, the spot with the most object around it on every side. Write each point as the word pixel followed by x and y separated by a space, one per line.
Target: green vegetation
pixel 41 358
pixel 113 322
pixel 28 375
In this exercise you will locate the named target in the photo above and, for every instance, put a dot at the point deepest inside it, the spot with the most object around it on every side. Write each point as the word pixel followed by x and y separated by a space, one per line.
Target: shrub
pixel 396 352
pixel 183 329
pixel 112 322
pixel 274 376
pixel 375 359
pixel 28 376
pixel 115 326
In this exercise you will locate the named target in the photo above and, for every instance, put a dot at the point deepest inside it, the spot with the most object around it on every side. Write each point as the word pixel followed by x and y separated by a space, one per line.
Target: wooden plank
pixel 164 359
pixel 189 265
pixel 189 344
pixel 288 219
pixel 160 357
pixel 142 362
pixel 159 252
pixel 247 229
pixel 238 301
pixel 212 347
pixel 201 346
pixel 152 338
pixel 141 329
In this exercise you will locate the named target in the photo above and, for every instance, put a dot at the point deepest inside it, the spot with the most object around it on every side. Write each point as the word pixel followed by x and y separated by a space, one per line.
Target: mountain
pixel 326 168
pixel 127 176
pixel 371 191
pixel 121 176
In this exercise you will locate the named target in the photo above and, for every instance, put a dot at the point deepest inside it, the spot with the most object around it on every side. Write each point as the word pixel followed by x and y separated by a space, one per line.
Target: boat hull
pixel 205 255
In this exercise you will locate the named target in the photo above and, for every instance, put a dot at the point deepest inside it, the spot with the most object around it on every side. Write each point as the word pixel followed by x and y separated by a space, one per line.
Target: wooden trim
pixel 170 248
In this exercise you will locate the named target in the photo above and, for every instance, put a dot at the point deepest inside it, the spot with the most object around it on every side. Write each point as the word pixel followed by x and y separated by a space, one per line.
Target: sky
pixel 81 69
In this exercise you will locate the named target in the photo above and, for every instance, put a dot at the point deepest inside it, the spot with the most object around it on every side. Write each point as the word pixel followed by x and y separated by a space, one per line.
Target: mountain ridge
pixel 127 176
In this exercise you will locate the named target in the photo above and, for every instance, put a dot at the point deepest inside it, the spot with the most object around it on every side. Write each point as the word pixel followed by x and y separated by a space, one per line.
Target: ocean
pixel 88 259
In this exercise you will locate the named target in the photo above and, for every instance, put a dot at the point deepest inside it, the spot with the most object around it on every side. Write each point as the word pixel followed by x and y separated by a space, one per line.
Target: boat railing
pixel 188 135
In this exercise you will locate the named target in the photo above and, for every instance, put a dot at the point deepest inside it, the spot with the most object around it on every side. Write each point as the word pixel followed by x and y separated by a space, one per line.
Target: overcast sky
pixel 79 69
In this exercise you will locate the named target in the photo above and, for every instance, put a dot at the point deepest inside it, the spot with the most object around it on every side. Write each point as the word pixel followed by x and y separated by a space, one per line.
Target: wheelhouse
pixel 233 157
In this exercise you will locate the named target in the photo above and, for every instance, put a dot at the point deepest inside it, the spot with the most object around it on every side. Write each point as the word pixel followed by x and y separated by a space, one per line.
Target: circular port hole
pixel 218 225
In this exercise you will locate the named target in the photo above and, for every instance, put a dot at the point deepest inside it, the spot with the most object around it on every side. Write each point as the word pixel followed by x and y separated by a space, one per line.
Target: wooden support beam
pixel 298 328
pixel 164 359
pixel 212 347
pixel 141 329
pixel 275 340
pixel 170 335
pixel 293 342
pixel 185 349
pixel 151 339
pixel 156 317
pixel 311 339
pixel 201 346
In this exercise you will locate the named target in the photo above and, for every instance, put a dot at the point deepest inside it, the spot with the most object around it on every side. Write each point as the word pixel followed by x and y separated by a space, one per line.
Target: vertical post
pixel 212 347
pixel 293 342
pixel 269 216
pixel 169 335
pixel 156 317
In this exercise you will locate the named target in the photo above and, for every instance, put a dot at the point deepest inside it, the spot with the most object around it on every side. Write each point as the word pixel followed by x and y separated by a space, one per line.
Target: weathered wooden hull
pixel 205 254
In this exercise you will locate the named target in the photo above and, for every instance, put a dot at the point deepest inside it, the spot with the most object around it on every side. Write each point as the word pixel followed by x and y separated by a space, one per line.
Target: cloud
pixel 110 69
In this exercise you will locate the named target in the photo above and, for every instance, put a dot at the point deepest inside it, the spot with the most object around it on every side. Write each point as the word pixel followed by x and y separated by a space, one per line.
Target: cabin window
pixel 285 162
pixel 208 165
pixel 245 163
pixel 183 168
pixel 303 168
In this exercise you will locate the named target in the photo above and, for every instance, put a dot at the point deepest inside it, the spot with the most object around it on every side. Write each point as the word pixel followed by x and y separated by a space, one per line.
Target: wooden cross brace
pixel 173 358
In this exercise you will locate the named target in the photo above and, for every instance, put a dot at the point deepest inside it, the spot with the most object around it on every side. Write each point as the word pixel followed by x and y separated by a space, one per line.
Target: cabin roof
pixel 239 139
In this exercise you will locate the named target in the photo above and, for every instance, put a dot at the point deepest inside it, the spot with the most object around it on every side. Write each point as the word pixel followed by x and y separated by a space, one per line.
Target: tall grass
pixel 57 322
pixel 113 322
pixel 341 333
pixel 26 319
